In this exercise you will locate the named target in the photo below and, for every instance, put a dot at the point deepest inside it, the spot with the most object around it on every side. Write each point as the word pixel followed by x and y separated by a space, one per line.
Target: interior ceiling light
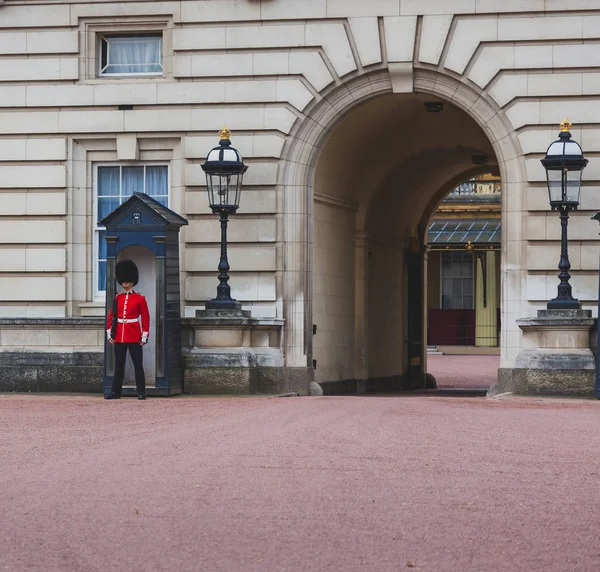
pixel 434 106
pixel 479 159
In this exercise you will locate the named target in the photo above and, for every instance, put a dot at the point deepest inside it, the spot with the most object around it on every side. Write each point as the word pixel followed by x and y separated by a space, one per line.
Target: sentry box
pixel 147 232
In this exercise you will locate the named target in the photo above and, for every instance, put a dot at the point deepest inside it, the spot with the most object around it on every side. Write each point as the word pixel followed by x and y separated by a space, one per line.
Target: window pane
pixel 447 287
pixel 157 183
pixel 134 54
pixel 108 181
pixel 106 205
pixel 133 181
pixel 114 186
pixel 102 245
pixel 102 276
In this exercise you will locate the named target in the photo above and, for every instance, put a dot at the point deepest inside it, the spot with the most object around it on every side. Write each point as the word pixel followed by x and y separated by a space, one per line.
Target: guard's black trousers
pixel 135 351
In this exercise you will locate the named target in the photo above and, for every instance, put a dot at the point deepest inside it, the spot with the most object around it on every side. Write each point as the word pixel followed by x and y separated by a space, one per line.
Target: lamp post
pixel 564 163
pixel 224 171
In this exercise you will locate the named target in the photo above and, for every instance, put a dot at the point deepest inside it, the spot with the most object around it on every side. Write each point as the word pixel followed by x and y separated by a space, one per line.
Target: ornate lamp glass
pixel 564 163
pixel 224 169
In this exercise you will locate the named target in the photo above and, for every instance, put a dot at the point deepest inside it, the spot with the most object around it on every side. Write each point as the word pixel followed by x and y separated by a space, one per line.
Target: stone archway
pixel 302 155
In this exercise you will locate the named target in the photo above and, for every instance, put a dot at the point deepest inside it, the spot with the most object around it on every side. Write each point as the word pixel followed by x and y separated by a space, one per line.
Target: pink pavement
pixel 299 484
pixel 468 371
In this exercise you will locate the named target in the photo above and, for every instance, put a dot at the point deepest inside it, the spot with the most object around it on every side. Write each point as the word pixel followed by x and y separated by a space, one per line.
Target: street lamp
pixel 224 171
pixel 564 163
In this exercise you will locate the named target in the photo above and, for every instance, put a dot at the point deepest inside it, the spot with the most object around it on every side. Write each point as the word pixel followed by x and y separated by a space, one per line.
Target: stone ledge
pixel 242 320
pixel 558 318
pixel 32 322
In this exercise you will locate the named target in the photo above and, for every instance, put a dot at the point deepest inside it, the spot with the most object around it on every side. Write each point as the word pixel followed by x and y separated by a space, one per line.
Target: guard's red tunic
pixel 130 308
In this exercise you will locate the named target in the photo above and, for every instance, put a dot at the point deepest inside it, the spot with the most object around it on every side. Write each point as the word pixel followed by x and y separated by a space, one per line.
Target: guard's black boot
pixel 141 396
pixel 112 395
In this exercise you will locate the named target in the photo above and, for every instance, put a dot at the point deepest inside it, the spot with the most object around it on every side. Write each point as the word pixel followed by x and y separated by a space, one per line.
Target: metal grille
pixel 453 231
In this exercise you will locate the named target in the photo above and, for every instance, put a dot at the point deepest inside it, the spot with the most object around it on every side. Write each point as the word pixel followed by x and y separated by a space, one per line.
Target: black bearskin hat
pixel 127 271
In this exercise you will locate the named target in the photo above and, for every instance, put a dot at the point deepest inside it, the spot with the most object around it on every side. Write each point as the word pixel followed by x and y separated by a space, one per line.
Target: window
pixel 457 275
pixel 114 185
pixel 130 55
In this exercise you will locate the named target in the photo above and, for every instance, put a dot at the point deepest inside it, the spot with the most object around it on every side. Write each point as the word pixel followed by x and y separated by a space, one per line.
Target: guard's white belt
pixel 127 321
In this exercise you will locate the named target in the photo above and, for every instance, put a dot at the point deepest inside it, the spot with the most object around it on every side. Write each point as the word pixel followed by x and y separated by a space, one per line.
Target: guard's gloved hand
pixel 109 337
pixel 144 340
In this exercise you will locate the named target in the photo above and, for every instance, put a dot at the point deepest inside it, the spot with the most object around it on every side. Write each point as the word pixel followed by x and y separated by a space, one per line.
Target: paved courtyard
pixel 463 371
pixel 292 484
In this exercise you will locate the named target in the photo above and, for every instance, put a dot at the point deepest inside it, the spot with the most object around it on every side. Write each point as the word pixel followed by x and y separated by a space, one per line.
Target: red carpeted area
pixel 463 371
pixel 271 485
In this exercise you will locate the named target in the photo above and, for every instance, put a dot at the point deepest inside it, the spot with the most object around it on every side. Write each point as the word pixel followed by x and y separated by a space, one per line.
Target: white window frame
pixel 473 278
pixel 104 38
pixel 100 295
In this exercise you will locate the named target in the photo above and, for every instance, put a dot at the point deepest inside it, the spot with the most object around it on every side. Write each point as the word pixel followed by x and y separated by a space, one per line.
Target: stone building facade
pixel 329 102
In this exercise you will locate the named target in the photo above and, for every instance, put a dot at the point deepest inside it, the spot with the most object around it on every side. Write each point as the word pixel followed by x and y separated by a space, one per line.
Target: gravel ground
pixel 299 484
pixel 470 371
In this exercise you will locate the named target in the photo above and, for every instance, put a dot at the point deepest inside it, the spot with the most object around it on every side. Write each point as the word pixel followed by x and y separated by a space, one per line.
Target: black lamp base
pixel 564 304
pixel 216 304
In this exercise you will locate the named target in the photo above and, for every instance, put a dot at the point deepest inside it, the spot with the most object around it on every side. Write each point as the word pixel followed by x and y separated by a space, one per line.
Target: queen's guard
pixel 128 328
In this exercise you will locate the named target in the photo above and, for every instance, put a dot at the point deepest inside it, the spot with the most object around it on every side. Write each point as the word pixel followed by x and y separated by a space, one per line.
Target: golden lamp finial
pixel 225 133
pixel 565 126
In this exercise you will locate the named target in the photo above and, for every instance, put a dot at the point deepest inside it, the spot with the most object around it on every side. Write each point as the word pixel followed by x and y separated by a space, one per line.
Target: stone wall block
pixel 269 36
pixel 539 28
pixel 126 94
pixel 23 338
pixel 191 92
pixel 25 176
pixel 45 260
pixel 312 67
pixel 219 11
pixel 92 121
pixel 468 34
pixel 416 7
pixel 271 63
pixel 491 60
pixel 365 32
pixel 46 203
pixel 13 43
pixel 23 16
pixel 204 38
pixel 217 65
pixel 74 337
pixel 524 113
pixel 294 92
pixel 344 9
pixel 149 120
pixel 282 9
pixel 12 260
pixel 21 231
pixel 59 95
pixel 241 258
pixel 508 87
pixel 252 202
pixel 12 96
pixel 47 149
pixel 334 40
pixel 400 38
pixel 34 288
pixel 433 37
pixel 212 119
pixel 52 42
